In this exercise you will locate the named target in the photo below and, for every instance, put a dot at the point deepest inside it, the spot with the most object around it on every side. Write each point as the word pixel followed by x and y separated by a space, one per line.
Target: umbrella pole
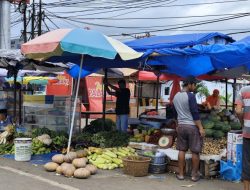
pixel 75 102
pixel 104 100
pixel 157 92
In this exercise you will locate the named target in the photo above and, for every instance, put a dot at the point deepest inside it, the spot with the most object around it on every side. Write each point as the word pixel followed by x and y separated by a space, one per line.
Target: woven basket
pixel 136 166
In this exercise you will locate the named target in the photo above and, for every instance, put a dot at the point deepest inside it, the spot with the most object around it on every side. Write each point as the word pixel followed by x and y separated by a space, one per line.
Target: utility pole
pixel 40 18
pixel 23 10
pixel 33 18
pixel 4 24
pixel 24 22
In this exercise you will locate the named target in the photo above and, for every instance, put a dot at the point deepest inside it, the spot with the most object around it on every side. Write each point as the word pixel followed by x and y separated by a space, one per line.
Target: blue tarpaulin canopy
pixel 197 60
pixel 202 59
pixel 178 41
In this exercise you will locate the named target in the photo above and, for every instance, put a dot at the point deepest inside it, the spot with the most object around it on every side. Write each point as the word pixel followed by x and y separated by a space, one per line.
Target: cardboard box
pixel 237 152
pixel 238 139
pixel 234 146
pixel 229 151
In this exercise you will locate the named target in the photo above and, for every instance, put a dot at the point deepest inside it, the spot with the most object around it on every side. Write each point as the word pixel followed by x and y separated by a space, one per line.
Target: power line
pixel 145 27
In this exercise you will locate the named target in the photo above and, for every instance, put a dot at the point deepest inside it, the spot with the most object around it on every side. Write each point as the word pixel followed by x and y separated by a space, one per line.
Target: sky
pixel 135 18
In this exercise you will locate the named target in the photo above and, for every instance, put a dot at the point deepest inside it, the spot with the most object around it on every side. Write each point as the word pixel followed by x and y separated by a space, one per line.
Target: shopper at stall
pixel 122 103
pixel 190 130
pixel 213 101
pixel 3 94
pixel 243 112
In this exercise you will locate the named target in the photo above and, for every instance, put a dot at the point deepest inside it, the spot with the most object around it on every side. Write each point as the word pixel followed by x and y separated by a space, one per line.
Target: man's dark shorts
pixel 246 159
pixel 188 137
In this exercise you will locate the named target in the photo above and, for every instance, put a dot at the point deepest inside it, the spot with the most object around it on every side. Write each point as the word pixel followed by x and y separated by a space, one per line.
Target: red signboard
pixel 61 88
pixel 18 1
pixel 94 86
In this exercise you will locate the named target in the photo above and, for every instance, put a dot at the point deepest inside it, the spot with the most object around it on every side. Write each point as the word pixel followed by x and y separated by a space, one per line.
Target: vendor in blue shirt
pixel 5 120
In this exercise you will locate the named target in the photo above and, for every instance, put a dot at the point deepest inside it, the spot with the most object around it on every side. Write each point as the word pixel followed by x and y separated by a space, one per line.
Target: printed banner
pixel 94 86
pixel 61 88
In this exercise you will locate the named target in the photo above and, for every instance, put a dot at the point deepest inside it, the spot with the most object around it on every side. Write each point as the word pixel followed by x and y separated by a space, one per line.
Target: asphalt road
pixel 24 176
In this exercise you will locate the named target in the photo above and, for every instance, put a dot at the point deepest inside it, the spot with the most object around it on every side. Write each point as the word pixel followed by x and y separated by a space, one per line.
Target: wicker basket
pixel 136 166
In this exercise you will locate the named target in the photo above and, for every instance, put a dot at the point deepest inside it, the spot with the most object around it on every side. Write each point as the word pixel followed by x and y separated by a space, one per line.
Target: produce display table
pixel 153 120
pixel 88 113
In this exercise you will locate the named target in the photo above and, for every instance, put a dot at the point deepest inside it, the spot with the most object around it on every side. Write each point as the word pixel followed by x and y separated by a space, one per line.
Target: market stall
pixel 95 145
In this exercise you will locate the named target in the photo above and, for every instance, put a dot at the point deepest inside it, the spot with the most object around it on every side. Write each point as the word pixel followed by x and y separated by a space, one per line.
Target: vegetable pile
pixel 109 158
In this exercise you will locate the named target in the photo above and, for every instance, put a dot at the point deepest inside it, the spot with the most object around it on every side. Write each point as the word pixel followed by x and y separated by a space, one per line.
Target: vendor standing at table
pixel 213 101
pixel 122 103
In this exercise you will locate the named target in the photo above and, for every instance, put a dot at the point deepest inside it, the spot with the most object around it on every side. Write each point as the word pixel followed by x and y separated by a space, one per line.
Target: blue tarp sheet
pixel 40 159
pixel 202 59
pixel 177 41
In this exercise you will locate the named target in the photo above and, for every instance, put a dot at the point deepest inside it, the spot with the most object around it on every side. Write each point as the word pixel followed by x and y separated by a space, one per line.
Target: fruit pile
pixel 73 164
pixel 217 125
pixel 109 158
pixel 146 135
pixel 38 147
pixel 212 146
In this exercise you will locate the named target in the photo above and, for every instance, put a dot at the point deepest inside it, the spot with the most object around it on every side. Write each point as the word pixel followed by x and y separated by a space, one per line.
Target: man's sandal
pixel 179 177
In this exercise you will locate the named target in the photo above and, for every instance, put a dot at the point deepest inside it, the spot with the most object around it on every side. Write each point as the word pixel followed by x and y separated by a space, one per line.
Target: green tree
pixel 228 98
pixel 202 90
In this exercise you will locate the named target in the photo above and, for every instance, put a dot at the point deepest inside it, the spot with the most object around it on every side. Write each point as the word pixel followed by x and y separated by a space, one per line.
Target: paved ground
pixel 24 176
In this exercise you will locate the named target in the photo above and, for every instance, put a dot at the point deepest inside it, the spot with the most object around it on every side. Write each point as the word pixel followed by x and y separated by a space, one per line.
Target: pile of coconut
pixel 73 164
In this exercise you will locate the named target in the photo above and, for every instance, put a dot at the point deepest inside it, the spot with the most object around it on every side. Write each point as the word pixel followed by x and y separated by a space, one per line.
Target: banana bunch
pixel 3 137
pixel 109 158
pixel 9 130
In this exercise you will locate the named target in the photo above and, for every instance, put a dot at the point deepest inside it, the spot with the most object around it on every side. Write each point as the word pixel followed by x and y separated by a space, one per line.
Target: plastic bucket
pixel 23 149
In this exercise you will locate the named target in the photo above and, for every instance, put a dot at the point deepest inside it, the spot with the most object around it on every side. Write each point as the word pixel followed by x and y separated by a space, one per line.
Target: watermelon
pixel 226 128
pixel 218 125
pixel 214 118
pixel 208 124
pixel 218 134
pixel 235 125
pixel 209 132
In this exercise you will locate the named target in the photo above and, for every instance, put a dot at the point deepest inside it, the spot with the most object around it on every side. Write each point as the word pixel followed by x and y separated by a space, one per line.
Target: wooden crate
pixel 208 169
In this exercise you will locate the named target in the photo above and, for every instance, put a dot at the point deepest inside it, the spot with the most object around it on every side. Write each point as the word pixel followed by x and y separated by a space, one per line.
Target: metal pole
pixel 234 94
pixel 20 106
pixel 226 93
pixel 74 109
pixel 4 24
pixel 104 99
pixel 157 92
pixel 138 97
pixel 15 85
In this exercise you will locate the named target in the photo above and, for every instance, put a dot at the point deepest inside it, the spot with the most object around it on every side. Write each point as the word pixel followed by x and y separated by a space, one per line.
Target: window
pixel 167 89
